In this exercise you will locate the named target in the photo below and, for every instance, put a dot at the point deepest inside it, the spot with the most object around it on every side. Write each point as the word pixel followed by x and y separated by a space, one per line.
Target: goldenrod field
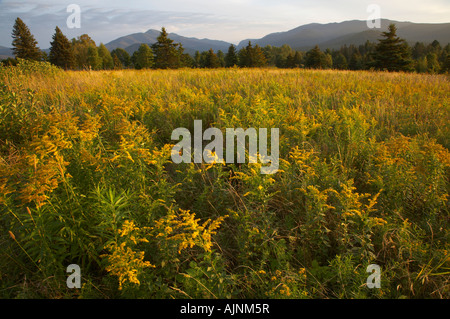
pixel 86 178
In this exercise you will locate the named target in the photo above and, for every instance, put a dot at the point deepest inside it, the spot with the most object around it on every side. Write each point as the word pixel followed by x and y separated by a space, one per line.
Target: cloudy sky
pixel 228 20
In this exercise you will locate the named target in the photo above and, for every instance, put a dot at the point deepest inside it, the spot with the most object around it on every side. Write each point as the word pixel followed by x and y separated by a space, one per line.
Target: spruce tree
pixel 392 53
pixel 446 66
pixel 340 62
pixel 61 52
pixel 165 52
pixel 231 58
pixel 245 55
pixel 315 58
pixel 212 61
pixel 258 57
pixel 24 44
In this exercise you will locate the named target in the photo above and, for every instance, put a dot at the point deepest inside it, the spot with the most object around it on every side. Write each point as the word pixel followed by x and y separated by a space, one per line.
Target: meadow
pixel 86 178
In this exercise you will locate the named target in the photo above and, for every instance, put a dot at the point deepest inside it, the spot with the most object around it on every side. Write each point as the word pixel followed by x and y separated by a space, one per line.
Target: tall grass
pixel 86 178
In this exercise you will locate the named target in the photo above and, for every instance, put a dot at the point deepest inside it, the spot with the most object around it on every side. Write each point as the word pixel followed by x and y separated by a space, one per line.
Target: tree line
pixel 391 53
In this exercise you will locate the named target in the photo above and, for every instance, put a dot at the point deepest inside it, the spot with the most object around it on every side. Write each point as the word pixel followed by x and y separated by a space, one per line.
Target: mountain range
pixel 305 37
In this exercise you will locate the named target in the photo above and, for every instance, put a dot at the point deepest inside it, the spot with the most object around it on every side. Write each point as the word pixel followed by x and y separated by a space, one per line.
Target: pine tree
pixel 231 58
pixel 446 66
pixel 245 55
pixel 392 53
pixel 166 52
pixel 212 61
pixel 298 59
pixel 315 58
pixel 340 62
pixel 433 65
pixel 252 57
pixel 356 62
pixel 24 44
pixel 61 52
pixel 258 57
pixel 289 63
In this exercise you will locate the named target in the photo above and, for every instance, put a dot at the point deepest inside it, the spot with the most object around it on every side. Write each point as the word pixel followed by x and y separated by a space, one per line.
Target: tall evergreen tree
pixel 245 56
pixel 61 51
pixel 315 58
pixel 340 62
pixel 446 65
pixel 212 61
pixel 231 58
pixel 165 52
pixel 258 57
pixel 392 53
pixel 252 57
pixel 24 44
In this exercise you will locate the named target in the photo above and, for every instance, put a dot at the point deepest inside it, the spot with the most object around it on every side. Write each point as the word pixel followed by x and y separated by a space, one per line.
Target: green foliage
pixel 24 44
pixel 107 62
pixel 143 57
pixel 167 55
pixel 316 59
pixel 231 58
pixel 123 57
pixel 86 177
pixel 392 53
pixel 81 47
pixel 61 52
pixel 94 61
pixel 252 56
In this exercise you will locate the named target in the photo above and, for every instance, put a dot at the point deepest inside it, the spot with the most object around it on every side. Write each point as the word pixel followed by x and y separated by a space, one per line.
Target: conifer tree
pixel 212 61
pixel 24 44
pixel 315 58
pixel 258 57
pixel 231 58
pixel 391 52
pixel 165 52
pixel 61 51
